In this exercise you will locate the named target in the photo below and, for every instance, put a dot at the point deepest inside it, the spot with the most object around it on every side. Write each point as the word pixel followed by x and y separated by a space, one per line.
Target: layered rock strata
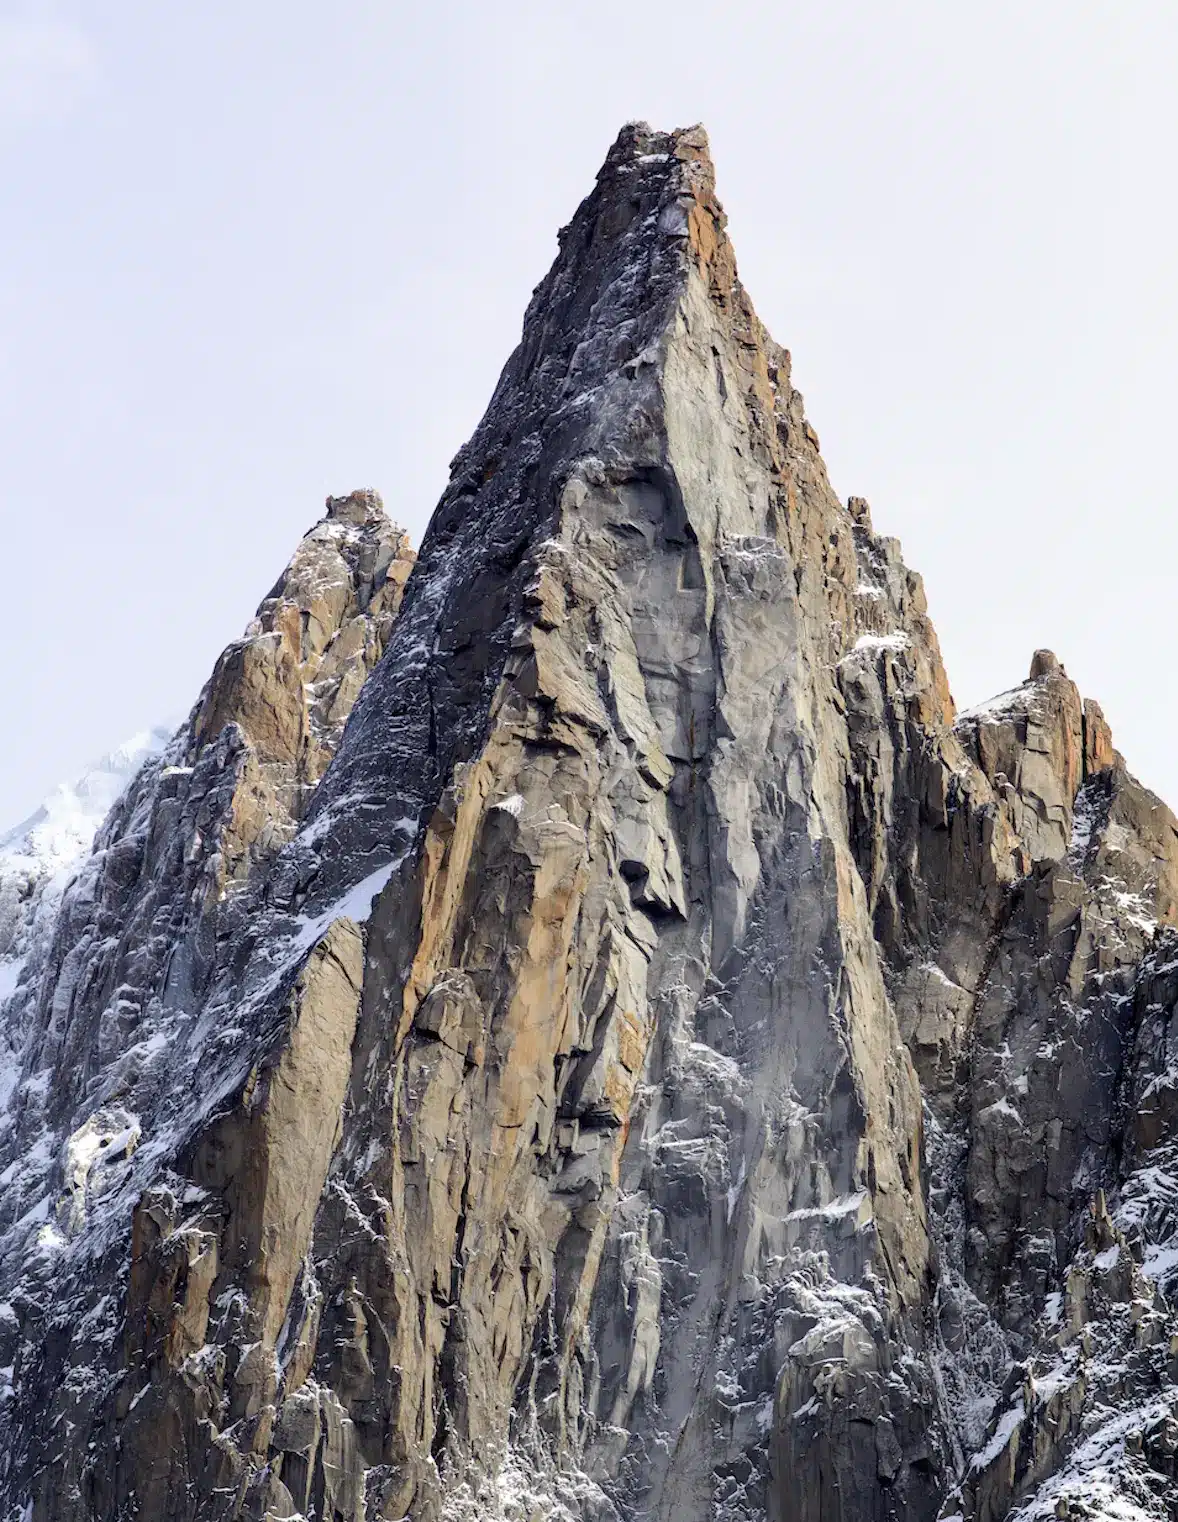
pixel 661 1062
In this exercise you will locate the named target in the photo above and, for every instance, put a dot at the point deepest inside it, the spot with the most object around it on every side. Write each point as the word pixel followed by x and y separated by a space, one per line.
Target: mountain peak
pixel 361 507
pixel 640 141
pixel 577 1029
pixel 1045 663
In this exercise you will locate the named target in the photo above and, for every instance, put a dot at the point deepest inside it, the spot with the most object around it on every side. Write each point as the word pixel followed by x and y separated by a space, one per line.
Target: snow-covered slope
pixel 52 838
pixel 39 856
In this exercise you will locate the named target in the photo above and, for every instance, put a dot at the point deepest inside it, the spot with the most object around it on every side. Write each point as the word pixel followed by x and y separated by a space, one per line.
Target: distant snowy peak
pixel 65 824
pixel 40 853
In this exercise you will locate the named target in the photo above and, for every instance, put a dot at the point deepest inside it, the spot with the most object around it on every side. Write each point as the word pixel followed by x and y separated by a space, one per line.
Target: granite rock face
pixel 584 1030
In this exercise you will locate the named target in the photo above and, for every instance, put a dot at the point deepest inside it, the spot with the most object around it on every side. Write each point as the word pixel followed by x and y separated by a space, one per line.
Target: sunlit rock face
pixel 578 1027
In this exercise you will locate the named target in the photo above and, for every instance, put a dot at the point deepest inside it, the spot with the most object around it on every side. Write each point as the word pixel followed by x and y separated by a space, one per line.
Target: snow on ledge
pixel 873 644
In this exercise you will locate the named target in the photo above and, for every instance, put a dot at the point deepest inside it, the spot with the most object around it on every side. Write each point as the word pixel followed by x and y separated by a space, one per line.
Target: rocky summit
pixel 576 1026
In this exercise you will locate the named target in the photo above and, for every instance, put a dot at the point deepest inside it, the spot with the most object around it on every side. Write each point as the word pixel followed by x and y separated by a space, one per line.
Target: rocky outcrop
pixel 289 684
pixel 659 1061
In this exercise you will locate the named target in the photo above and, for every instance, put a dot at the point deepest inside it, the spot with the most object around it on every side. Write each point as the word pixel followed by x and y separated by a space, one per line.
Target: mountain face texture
pixel 578 1027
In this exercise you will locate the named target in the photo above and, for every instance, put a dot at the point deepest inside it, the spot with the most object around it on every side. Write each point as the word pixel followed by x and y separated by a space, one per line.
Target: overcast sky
pixel 253 253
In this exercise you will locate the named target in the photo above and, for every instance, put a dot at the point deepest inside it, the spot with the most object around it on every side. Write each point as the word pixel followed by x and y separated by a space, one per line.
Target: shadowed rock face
pixel 658 1061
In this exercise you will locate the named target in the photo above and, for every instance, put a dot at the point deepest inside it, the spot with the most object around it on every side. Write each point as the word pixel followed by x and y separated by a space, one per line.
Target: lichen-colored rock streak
pixel 659 1061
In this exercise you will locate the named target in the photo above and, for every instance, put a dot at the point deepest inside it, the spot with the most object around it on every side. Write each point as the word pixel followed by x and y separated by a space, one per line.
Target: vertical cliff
pixel 658 1061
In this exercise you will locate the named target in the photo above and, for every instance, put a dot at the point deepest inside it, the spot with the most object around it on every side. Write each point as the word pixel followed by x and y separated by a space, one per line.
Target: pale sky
pixel 254 253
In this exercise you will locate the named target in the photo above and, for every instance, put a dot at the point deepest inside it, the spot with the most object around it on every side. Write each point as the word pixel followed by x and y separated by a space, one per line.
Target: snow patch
pixel 1008 1425
pixel 836 1210
pixel 1160 1261
pixel 874 644
pixel 1002 706
pixel 356 904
